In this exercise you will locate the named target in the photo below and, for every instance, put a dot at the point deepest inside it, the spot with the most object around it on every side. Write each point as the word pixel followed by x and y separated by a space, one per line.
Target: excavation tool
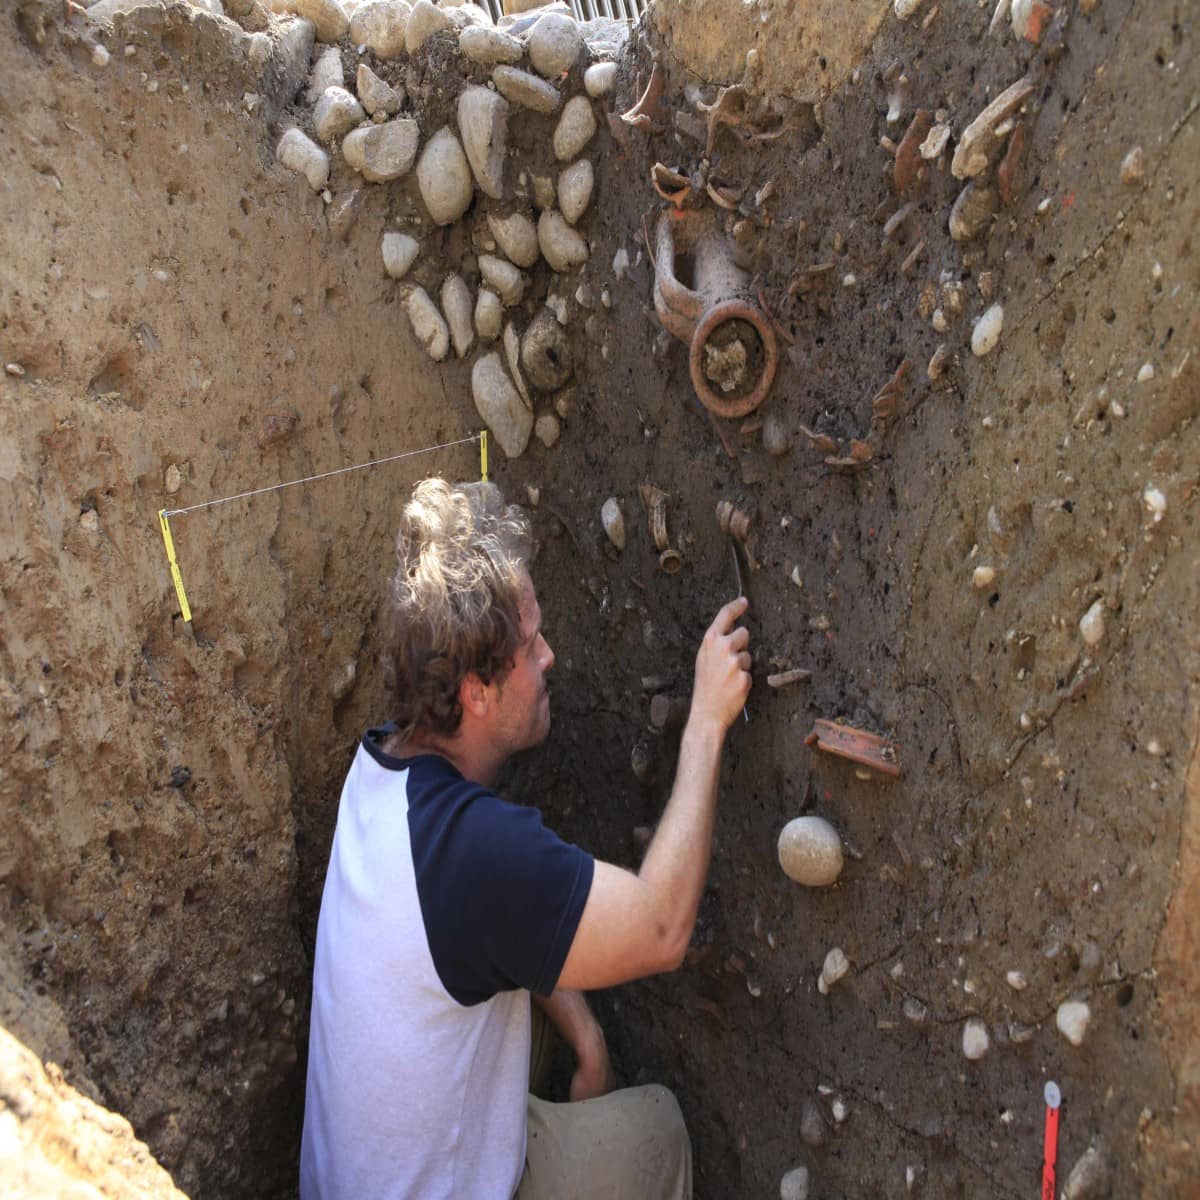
pixel 737 566
pixel 1050 1143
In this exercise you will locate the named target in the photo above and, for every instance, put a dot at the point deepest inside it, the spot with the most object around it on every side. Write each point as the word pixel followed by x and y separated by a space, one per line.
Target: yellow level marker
pixel 176 574
pixel 165 514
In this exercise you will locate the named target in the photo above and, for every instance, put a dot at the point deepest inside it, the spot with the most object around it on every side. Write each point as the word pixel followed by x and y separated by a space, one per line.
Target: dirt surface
pixel 182 314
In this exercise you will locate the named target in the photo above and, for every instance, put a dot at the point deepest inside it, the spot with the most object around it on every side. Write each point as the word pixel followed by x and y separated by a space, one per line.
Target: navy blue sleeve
pixel 501 895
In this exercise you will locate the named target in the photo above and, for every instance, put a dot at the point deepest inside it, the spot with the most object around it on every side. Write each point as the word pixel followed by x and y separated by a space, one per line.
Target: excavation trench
pixel 986 558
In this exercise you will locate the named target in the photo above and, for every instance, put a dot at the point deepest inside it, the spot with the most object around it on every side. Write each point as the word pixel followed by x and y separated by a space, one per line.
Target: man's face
pixel 523 713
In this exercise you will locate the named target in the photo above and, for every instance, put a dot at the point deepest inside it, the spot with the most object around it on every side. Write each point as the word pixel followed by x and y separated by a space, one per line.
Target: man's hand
pixel 722 669
pixel 594 1075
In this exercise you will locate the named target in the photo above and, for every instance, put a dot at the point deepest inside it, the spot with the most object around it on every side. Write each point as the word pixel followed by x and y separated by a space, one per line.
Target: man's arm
pixel 638 925
pixel 570 1015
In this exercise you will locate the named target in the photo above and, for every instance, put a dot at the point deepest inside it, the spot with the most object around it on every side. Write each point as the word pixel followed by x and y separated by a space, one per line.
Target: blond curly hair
pixel 456 599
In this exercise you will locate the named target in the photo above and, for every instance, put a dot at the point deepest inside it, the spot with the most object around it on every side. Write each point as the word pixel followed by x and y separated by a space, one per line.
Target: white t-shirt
pixel 444 906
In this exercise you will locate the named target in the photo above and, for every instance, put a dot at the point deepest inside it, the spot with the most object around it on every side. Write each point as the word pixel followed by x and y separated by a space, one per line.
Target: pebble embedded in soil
pixel 1154 502
pixel 336 113
pixel 298 152
pixel 1072 1019
pixel 574 129
pixel 613 520
pixel 547 430
pixel 914 1011
pixel 329 19
pixel 935 141
pixel 444 177
pixel 424 21
pixel 599 79
pixel 399 252
pixel 794 1185
pixel 381 26
pixel 983 577
pixel 975 1040
pixel 380 153
pixel 834 968
pixel 520 87
pixel 1091 624
pixel 503 278
pixel 1090 1177
pixel 575 185
pixel 428 325
pixel 457 306
pixel 500 405
pixel 814 1133
pixel 1016 980
pixel 1133 167
pixel 810 851
pixel 985 337
pixel 1145 373
pixel 546 352
pixel 489 47
pixel 973 212
pixel 376 95
pixel 172 480
pixel 483 124
pixel 100 56
pixel 905 10
pixel 555 43
pixel 561 246
pixel 516 235
pixel 489 315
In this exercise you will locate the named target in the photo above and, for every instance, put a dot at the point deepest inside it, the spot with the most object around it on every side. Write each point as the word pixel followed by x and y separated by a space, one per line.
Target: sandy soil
pixel 175 299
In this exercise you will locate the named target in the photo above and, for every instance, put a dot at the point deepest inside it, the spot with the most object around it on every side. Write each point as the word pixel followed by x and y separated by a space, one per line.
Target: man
pixel 445 907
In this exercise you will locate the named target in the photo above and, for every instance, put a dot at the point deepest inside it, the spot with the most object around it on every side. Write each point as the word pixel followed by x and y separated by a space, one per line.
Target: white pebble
pixel 986 335
pixel 905 9
pixel 975 1040
pixel 983 577
pixel 1072 1019
pixel 1016 980
pixel 620 263
pixel 1146 373
pixel 834 968
pixel 100 56
pixel 399 253
pixel 1155 502
pixel 613 521
pixel 1091 624
pixel 599 79
pixel 547 429
pixel 810 851
pixel 794 1185
pixel 298 152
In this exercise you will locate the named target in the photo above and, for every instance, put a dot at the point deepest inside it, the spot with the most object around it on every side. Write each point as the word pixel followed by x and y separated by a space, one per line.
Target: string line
pixel 377 462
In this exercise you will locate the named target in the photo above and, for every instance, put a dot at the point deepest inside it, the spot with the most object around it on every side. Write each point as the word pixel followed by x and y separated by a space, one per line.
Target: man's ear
pixel 474 695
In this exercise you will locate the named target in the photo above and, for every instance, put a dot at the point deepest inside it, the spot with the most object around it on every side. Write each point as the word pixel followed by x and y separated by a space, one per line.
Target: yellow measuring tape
pixel 164 514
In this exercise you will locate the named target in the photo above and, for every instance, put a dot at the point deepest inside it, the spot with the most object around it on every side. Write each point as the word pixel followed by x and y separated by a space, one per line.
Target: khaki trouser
pixel 628 1145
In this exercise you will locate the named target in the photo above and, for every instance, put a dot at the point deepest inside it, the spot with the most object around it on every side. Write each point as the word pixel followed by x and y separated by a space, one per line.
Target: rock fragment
pixel 983 577
pixel 985 337
pixel 810 851
pixel 336 113
pixel 489 315
pixel 546 352
pixel 1133 167
pixel 935 141
pixel 561 246
pixel 328 17
pixel 600 79
pixel 516 235
pixel 1072 1019
pixel 376 95
pixel 555 43
pixel 520 87
pixel 444 177
pixel 794 1185
pixel 428 325
pixel 499 405
pixel 457 306
pixel 613 521
pixel 488 46
pixel 425 20
pixel 834 968
pixel 979 143
pixel 298 152
pixel 483 125
pixel 575 185
pixel 973 211
pixel 575 128
pixel 505 279
pixel 382 152
pixel 342 212
pixel 1090 1177
pixel 975 1040
pixel 381 26
pixel 814 1133
pixel 1091 624
pixel 326 73
pixel 399 253
pixel 546 430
